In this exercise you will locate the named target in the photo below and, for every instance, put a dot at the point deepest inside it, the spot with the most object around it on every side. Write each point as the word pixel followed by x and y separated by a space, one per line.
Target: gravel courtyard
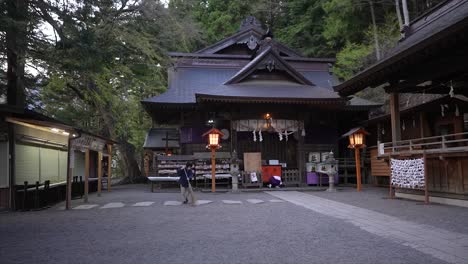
pixel 133 225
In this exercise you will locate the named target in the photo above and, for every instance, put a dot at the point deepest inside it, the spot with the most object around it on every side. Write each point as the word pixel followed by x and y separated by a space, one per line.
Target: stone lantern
pixel 234 170
pixel 329 167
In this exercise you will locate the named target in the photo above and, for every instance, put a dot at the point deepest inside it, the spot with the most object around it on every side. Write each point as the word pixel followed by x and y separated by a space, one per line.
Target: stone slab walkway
pixel 445 245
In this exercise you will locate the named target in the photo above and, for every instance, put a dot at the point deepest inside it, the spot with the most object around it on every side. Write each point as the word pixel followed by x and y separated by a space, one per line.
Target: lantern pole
pixel 358 168
pixel 213 169
pixel 214 136
pixel 356 141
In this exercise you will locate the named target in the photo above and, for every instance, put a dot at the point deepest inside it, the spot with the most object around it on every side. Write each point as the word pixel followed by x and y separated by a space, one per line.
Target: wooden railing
pixel 429 145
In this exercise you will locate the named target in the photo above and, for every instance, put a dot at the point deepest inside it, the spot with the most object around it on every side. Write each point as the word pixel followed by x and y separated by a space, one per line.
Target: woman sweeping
pixel 185 175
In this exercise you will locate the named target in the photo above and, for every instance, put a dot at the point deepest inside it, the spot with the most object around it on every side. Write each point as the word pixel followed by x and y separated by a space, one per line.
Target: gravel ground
pixel 452 218
pixel 212 233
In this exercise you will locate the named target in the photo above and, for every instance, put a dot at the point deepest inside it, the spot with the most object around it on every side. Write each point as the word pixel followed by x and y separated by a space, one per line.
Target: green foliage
pixel 355 57
pixel 351 59
pixel 342 22
pixel 108 59
pixel 220 18
pixel 303 27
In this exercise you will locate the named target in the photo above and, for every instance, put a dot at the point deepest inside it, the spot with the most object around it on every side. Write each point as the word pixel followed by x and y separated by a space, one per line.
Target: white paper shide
pixel 408 173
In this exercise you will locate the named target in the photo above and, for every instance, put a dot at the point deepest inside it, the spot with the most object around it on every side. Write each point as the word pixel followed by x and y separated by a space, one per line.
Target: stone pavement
pixel 445 245
pixel 166 203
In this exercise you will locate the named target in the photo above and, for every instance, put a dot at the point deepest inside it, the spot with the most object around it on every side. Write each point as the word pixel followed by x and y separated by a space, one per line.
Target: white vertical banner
pixel 381 149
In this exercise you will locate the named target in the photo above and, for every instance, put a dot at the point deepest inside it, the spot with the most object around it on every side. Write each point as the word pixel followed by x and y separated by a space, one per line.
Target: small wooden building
pixel 34 153
pixel 430 63
pixel 265 97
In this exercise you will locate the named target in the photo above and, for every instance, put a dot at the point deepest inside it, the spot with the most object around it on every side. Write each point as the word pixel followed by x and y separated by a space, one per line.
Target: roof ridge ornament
pixel 250 22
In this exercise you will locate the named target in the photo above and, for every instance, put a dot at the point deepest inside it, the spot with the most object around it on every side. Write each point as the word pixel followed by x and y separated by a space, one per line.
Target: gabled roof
pixel 268 58
pixel 244 36
pixel 185 83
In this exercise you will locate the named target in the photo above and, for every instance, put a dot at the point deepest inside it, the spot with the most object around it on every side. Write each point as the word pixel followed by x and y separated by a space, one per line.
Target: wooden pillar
pixel 70 165
pixel 109 168
pixel 301 157
pixel 422 119
pixel 395 117
pixel 426 188
pixel 86 184
pixel 213 170
pixel 460 187
pixel 99 186
pixel 390 188
pixel 11 165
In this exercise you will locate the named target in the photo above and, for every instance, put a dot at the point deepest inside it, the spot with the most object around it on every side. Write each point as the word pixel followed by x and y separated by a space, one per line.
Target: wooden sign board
pixel 252 161
pixel 88 142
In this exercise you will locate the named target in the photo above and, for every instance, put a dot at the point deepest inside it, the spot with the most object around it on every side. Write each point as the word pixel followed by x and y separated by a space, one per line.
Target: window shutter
pixel 26 164
pixel 49 165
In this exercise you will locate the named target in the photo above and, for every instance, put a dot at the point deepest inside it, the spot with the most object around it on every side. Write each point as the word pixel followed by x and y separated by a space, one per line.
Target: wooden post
pixel 109 161
pixel 395 117
pixel 99 186
pixel 12 166
pixel 422 122
pixel 358 169
pixel 390 192
pixel 70 166
pixel 213 170
pixel 460 187
pixel 426 191
pixel 86 184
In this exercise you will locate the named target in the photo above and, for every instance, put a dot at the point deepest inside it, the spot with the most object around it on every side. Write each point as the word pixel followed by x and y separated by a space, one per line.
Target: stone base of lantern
pixel 331 183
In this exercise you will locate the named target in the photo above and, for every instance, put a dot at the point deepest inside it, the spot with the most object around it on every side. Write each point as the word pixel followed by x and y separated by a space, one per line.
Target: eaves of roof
pixel 243 57
pixel 444 21
pixel 284 100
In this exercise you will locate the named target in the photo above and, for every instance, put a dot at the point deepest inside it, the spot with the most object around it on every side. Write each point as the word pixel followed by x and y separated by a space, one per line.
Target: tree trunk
pixel 16 50
pixel 398 13
pixel 374 27
pixel 127 154
pixel 126 150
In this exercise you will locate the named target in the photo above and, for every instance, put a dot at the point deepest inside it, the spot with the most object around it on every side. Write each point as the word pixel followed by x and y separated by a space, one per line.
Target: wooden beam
pixel 86 184
pixel 395 117
pixel 109 168
pixel 99 173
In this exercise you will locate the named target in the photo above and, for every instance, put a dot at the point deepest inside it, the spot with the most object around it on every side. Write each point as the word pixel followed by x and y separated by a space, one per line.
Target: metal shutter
pixel 26 164
pixel 4 177
pixel 63 155
pixel 49 159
